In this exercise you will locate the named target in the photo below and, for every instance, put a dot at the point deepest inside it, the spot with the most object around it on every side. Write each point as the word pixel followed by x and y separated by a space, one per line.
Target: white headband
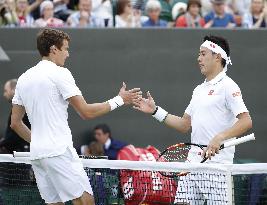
pixel 217 49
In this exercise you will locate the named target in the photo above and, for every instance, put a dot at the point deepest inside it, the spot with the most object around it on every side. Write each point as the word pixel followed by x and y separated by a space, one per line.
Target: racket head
pixel 181 152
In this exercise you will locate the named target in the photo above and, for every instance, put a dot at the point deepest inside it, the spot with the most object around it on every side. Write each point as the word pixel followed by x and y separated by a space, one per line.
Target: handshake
pixel 134 97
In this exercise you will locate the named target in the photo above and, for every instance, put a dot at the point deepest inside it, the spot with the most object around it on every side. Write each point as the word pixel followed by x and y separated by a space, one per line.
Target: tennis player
pixel 44 92
pixel 216 112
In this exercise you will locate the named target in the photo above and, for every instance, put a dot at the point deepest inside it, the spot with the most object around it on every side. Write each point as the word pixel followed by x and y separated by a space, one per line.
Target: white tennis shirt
pixel 43 90
pixel 213 109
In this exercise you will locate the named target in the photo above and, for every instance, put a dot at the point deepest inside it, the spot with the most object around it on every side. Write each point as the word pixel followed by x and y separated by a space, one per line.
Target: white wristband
pixel 115 102
pixel 160 114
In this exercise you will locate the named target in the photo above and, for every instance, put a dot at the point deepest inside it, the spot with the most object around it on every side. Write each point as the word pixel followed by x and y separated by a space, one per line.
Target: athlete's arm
pixel 243 124
pixel 90 111
pixel 17 124
pixel 181 124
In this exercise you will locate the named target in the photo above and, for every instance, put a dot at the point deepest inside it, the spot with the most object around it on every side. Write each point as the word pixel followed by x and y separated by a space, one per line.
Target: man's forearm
pixel 178 123
pixel 97 109
pixel 23 131
pixel 240 127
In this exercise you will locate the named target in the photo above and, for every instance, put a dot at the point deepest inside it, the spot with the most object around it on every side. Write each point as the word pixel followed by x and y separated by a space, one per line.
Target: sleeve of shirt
pixel 188 110
pixel 66 84
pixel 234 100
pixel 180 22
pixel 207 18
pixel 17 99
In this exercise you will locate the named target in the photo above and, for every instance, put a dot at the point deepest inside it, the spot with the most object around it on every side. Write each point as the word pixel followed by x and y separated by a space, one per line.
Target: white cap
pixel 45 4
pixel 176 9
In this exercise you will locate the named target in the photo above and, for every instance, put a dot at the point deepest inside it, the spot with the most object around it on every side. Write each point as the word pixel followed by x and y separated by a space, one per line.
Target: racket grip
pixel 239 140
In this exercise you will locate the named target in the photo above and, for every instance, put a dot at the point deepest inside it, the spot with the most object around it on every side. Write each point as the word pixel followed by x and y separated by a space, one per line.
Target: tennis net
pixel 140 182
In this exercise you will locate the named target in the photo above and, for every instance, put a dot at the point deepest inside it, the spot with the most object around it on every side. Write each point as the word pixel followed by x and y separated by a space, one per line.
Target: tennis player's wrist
pixel 160 114
pixel 115 102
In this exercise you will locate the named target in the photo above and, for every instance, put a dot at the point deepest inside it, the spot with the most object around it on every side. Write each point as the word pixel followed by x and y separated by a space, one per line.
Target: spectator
pixel 102 9
pixel 84 17
pixel 166 10
pixel 8 16
pixel 192 17
pixel 206 7
pixel 127 17
pixel 178 10
pixel 11 141
pixel 153 9
pixel 93 149
pixel 240 7
pixel 47 16
pixel 24 10
pixel 257 17
pixel 96 149
pixel 61 9
pixel 111 146
pixel 219 17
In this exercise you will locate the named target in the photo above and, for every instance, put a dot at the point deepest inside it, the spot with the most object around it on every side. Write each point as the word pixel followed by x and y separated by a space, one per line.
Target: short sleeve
pixel 66 84
pixel 234 99
pixel 17 98
pixel 208 17
pixel 188 110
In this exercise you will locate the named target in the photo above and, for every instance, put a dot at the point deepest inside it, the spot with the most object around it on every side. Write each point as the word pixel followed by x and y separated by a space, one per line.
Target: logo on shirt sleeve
pixel 236 94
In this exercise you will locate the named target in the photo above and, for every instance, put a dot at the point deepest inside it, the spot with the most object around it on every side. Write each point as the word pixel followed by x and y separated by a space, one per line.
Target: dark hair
pixel 105 128
pixel 50 37
pixel 220 41
pixel 121 4
pixel 192 2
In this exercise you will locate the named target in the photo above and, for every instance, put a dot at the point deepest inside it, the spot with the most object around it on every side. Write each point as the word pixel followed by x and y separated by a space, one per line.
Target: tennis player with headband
pixel 216 111
pixel 44 92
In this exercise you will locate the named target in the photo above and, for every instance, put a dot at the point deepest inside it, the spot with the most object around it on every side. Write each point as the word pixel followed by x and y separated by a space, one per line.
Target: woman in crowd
pixel 47 16
pixel 127 17
pixel 192 17
pixel 257 17
pixel 23 10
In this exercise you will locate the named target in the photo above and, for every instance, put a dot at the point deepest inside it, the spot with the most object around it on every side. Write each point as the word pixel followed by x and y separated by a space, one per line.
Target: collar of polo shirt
pixel 218 78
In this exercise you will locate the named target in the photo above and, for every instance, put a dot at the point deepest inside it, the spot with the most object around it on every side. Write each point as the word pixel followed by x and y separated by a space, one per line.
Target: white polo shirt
pixel 43 90
pixel 213 109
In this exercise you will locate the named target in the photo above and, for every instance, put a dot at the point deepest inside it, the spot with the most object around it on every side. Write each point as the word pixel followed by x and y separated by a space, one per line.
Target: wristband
pixel 115 102
pixel 160 114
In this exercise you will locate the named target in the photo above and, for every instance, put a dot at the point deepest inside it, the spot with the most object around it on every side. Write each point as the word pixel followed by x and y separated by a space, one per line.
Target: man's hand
pixel 213 146
pixel 130 96
pixel 146 105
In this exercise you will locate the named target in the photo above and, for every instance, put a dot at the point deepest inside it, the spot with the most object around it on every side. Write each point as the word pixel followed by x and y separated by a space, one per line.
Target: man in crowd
pixel 11 141
pixel 111 145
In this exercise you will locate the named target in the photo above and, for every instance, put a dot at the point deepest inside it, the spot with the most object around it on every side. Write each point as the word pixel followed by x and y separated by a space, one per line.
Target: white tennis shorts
pixel 198 188
pixel 61 178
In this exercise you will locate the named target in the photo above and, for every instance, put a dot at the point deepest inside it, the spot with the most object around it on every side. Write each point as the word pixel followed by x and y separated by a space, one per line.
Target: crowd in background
pixel 134 13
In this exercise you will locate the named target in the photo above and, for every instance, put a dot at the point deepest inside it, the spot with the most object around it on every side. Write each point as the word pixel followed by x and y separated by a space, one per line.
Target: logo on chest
pixel 211 92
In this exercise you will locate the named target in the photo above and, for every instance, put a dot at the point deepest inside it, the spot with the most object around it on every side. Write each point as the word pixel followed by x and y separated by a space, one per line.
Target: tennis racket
pixel 190 152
